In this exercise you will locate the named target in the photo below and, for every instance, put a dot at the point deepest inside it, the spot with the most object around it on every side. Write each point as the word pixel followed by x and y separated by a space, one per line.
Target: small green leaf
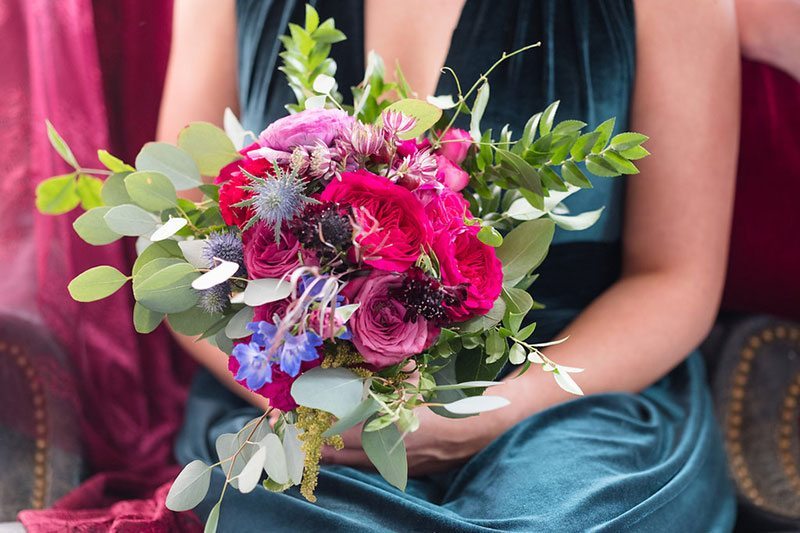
pixel 193 321
pixel 209 146
pixel 495 345
pixel 92 227
pixel 96 283
pixel 130 220
pixel 529 132
pixel 605 130
pixel 312 19
pixel 160 249
pixel 57 195
pixel 635 153
pixel 112 163
pixel 484 322
pixel 577 222
pixel 517 354
pixel 151 190
pixel 478 108
pixel 622 165
pixel 213 519
pixel 573 175
pixel 168 290
pixel 364 410
pixel 525 247
pixel 113 192
pixel 335 390
pixel 171 161
pixel 60 146
pixel 387 451
pixel 627 140
pixel 548 116
pixel 490 236
pixel 568 126
pixel 600 167
pixel 518 301
pixel 88 189
pixel 583 146
pixel 426 115
pixel 145 320
pixel 190 487
pixel 525 174
pixel 328 35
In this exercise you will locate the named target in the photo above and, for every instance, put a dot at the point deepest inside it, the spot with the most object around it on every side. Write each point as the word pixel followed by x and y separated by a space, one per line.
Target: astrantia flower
pixel 276 200
pixel 254 367
pixel 416 170
pixel 396 123
pixel 296 349
pixel 367 140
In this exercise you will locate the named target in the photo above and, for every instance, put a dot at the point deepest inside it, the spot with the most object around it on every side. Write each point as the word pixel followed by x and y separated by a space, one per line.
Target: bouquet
pixel 355 262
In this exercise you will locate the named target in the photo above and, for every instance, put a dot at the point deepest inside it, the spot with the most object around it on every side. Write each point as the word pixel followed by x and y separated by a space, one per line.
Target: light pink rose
pixel 379 332
pixel 450 174
pixel 455 146
pixel 307 129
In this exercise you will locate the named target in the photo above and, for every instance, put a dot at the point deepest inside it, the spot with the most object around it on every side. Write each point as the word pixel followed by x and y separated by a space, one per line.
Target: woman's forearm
pixel 769 32
pixel 627 339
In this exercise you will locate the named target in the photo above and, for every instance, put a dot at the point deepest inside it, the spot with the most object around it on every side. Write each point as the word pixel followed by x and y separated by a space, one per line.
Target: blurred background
pixel 87 421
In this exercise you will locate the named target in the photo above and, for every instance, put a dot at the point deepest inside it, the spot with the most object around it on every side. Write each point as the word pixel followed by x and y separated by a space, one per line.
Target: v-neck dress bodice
pixel 612 462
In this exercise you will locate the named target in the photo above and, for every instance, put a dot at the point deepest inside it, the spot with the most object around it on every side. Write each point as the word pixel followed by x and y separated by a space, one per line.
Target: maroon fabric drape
pixel 764 264
pixel 132 388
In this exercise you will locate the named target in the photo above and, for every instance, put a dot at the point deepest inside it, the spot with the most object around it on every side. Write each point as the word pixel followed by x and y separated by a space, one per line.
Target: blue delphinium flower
pixel 263 333
pixel 296 349
pixel 254 366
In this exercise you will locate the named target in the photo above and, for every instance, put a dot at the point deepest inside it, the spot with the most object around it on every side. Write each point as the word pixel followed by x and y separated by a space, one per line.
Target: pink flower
pixel 380 334
pixel 256 167
pixel 231 193
pixel 265 258
pixel 450 174
pixel 308 129
pixel 455 146
pixel 463 258
pixel 268 311
pixel 412 146
pixel 393 225
pixel 446 210
pixel 279 391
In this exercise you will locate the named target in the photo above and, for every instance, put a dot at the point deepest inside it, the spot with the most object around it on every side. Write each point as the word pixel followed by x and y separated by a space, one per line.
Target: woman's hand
pixel 439 444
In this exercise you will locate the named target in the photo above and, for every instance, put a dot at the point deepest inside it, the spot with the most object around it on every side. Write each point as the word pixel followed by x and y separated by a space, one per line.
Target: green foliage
pixel 387 451
pixel 88 190
pixel 335 390
pixel 151 190
pixel 96 283
pixel 172 161
pixel 112 163
pixel 57 195
pixel 130 220
pixel 426 114
pixel 145 320
pixel 60 146
pixel 114 192
pixel 168 290
pixel 209 146
pixel 525 247
pixel 92 228
pixel 190 487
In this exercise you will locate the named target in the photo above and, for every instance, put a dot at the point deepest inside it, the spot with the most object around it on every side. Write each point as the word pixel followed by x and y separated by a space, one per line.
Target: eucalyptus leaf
pixel 577 222
pixel 96 283
pixel 335 390
pixel 525 247
pixel 251 473
pixel 130 220
pixel 263 291
pixel 114 191
pixel 476 404
pixel 426 115
pixel 213 519
pixel 151 190
pixel 161 249
pixel 92 227
pixel 386 450
pixel 168 290
pixel 168 229
pixel 145 320
pixel 517 354
pixel 190 487
pixel 468 385
pixel 175 163
pixel 221 273
pixel 88 188
pixel 234 130
pixel 295 456
pixel 193 321
pixel 57 195
pixel 484 322
pixel 194 252
pixel 275 459
pixel 209 147
pixel 237 326
pixel 361 412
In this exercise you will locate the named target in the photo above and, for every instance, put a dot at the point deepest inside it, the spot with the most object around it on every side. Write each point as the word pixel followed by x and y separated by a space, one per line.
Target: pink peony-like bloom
pixel 394 227
pixel 379 332
pixel 455 146
pixel 265 258
pixel 446 210
pixel 463 258
pixel 279 391
pixel 450 174
pixel 308 129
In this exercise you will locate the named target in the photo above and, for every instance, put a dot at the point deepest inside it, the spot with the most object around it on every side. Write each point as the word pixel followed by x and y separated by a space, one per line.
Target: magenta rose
pixel 447 210
pixel 394 227
pixel 463 258
pixel 265 258
pixel 268 311
pixel 256 167
pixel 307 129
pixel 455 145
pixel 379 332
pixel 450 175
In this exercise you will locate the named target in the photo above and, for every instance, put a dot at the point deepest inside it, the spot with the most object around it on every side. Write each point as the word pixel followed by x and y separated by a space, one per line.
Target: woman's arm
pixel 675 237
pixel 201 83
pixel 769 32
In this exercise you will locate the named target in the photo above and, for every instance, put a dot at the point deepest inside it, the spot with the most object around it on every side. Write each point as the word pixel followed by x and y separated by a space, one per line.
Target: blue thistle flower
pixel 216 299
pixel 276 199
pixel 226 246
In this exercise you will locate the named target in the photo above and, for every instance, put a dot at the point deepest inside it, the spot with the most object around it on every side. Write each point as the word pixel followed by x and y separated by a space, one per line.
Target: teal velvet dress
pixel 612 462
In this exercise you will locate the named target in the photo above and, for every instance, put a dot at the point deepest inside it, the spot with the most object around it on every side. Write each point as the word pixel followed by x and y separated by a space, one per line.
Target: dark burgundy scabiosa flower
pixel 324 228
pixel 425 296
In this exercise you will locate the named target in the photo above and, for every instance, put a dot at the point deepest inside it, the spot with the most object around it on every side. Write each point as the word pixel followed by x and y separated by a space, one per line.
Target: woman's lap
pixel 646 462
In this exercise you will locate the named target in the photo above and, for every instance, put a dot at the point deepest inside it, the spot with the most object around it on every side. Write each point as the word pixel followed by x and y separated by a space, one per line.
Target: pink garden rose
pixel 307 129
pixel 446 210
pixel 394 227
pixel 455 146
pixel 451 175
pixel 256 167
pixel 379 332
pixel 268 311
pixel 265 258
pixel 463 258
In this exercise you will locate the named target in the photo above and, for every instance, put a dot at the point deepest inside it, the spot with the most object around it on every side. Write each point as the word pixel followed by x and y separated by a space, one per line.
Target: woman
pixel 635 294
